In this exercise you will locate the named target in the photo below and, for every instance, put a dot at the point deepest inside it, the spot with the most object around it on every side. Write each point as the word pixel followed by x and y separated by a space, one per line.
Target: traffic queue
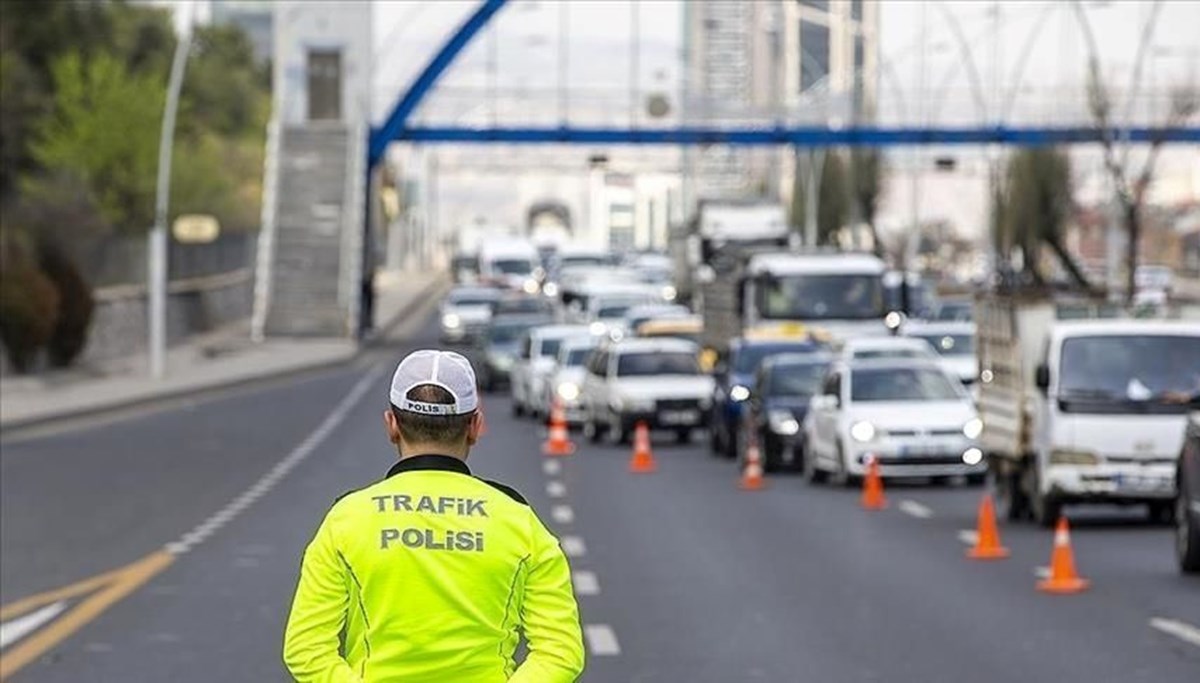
pixel 795 359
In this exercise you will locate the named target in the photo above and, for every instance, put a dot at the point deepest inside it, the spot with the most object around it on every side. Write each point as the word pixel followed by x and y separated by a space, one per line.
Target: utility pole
pixel 156 284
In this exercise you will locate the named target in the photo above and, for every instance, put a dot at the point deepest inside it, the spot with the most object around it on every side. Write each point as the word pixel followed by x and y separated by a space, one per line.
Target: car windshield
pixel 822 297
pixel 570 261
pixel 953 311
pixel 507 332
pixel 657 363
pixel 795 379
pixel 654 276
pixel 550 347
pixel 471 298
pixel 523 305
pixel 950 344
pixel 513 266
pixel 902 384
pixel 575 358
pixel 750 356
pixel 1129 373
pixel 875 354
pixel 612 312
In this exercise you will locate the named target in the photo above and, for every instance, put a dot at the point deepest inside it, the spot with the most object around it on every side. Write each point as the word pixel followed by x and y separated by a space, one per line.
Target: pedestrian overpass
pixel 289 274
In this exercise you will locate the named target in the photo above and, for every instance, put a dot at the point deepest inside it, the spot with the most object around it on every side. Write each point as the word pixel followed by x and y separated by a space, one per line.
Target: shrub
pixel 28 305
pixel 75 304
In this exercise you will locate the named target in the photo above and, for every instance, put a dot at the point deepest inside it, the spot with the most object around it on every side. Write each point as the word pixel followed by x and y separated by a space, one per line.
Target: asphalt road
pixel 682 576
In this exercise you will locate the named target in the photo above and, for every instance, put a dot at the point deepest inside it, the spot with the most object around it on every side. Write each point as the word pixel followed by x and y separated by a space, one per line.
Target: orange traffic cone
pixel 642 461
pixel 872 494
pixel 1063 578
pixel 558 441
pixel 987 541
pixel 752 473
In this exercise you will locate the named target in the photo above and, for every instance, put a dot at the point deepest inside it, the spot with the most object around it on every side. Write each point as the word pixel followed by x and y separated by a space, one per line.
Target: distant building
pixel 255 17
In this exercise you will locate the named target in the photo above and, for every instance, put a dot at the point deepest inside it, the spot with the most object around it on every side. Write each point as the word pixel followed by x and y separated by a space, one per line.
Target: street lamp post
pixel 157 246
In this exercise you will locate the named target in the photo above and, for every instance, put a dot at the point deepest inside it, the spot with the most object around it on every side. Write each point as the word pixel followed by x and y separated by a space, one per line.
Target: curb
pixel 375 339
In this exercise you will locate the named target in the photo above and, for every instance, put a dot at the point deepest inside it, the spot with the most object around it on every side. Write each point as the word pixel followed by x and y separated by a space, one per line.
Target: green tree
pixel 105 130
pixel 833 207
pixel 1038 203
pixel 866 182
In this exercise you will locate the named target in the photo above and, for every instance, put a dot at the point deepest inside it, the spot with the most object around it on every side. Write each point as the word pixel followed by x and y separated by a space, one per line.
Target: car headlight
pixel 1073 457
pixel 550 289
pixel 669 293
pixel 972 456
pixel 530 286
pixel 862 432
pixel 568 391
pixel 973 428
pixel 597 328
pixel 783 422
pixel 739 393
pixel 451 321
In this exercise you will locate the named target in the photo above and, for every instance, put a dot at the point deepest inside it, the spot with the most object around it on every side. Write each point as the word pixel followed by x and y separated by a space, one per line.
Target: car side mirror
pixel 1042 377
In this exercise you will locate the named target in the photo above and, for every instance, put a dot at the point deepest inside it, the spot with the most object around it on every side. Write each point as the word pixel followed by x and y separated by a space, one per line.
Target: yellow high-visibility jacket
pixel 429 575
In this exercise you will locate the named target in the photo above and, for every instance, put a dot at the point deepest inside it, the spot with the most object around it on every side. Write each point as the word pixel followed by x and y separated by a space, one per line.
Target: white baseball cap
pixel 445 369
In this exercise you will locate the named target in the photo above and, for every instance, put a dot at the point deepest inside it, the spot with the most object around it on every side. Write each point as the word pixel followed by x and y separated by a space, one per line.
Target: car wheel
pixel 770 454
pixel 812 473
pixel 842 477
pixel 1011 501
pixel 518 410
pixel 1046 510
pixel 1187 533
pixel 616 434
pixel 1162 512
pixel 591 431
pixel 714 441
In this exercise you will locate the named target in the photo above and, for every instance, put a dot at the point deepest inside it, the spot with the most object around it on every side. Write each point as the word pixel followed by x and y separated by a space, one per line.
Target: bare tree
pixel 866 172
pixel 1130 184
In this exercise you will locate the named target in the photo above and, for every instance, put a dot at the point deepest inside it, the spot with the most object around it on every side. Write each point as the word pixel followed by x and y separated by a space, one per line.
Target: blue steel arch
pixel 395 127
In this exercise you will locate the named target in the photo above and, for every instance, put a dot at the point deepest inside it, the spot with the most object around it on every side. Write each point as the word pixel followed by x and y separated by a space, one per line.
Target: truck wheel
pixel 1046 510
pixel 591 431
pixel 812 473
pixel 518 410
pixel 1187 535
pixel 1010 498
pixel 617 434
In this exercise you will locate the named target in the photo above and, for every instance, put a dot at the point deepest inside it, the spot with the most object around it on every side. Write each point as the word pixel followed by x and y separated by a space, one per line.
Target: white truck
pixel 837 293
pixel 719 233
pixel 510 263
pixel 1082 410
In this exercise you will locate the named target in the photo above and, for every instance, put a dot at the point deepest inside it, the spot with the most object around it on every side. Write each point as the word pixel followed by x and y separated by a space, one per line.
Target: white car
pixel 466 312
pixel 954 342
pixel 656 381
pixel 912 416
pixel 565 384
pixel 535 361
pixel 605 306
pixel 877 348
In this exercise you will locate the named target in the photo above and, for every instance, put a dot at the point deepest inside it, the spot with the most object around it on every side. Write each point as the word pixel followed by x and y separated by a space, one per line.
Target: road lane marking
pixel 12 631
pixel 551 467
pixel 1181 630
pixel 106 590
pixel 268 481
pixel 111 587
pixel 601 640
pixel 573 546
pixel 563 514
pixel 1041 572
pixel 556 489
pixel 915 509
pixel 968 536
pixel 585 582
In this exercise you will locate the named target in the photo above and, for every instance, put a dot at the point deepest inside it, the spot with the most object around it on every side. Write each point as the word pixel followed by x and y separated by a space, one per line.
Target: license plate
pixel 1127 482
pixel 679 417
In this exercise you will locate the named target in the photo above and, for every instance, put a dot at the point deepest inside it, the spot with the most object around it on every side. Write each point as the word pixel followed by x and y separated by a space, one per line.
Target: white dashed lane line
pixel 563 514
pixel 573 546
pixel 551 467
pixel 601 640
pixel 585 582
pixel 16 629
pixel 556 489
pixel 1179 629
pixel 968 536
pixel 914 509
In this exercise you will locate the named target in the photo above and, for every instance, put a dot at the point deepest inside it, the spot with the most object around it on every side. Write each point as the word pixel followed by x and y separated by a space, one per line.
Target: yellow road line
pixel 112 587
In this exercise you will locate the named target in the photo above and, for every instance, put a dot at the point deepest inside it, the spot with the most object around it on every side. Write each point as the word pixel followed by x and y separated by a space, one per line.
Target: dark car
pixel 1187 506
pixel 496 350
pixel 777 406
pixel 733 379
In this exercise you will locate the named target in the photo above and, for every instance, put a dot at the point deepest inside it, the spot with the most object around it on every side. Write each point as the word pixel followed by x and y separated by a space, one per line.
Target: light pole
pixel 156 284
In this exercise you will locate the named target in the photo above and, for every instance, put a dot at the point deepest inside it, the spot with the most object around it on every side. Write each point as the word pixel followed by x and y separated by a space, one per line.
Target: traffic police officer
pixel 431 573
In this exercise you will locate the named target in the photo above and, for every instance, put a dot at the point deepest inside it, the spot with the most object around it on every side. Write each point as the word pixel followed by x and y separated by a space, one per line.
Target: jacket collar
pixel 434 462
